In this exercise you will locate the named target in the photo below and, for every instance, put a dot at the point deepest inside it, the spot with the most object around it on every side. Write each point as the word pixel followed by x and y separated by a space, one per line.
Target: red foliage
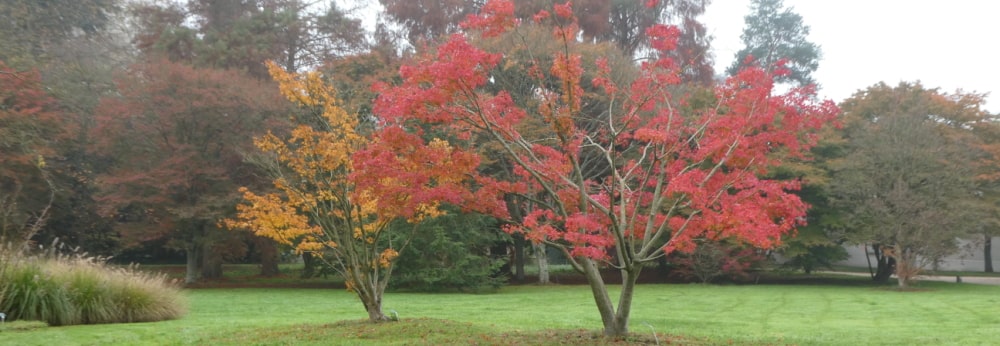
pixel 662 37
pixel 673 174
pixel 564 10
pixel 493 19
pixel 30 123
pixel 680 177
pixel 407 175
pixel 176 135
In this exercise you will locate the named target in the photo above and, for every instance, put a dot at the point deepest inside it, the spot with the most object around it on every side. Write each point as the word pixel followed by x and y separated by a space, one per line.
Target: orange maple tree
pixel 337 189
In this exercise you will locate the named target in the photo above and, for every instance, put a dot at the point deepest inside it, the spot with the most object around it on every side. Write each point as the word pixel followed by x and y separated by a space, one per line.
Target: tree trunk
pixel 885 265
pixel 211 263
pixel 519 242
pixel 613 327
pixel 902 273
pixel 268 257
pixel 308 265
pixel 629 279
pixel 375 314
pixel 906 267
pixel 192 252
pixel 519 257
pixel 988 254
pixel 373 305
pixel 542 256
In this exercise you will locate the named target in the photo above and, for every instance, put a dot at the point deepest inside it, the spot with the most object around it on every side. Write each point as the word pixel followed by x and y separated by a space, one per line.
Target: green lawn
pixel 858 314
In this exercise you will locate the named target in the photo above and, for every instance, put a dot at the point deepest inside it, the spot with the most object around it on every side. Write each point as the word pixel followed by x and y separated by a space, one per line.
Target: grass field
pixel 852 313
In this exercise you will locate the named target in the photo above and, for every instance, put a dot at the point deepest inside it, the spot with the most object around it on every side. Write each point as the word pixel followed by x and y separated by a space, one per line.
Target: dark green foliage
pixel 29 28
pixel 243 34
pixel 818 244
pixel 811 250
pixel 451 253
pixel 774 33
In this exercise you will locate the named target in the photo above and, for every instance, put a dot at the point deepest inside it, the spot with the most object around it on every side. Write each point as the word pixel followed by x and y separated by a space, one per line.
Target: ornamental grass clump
pixel 80 289
pixel 31 294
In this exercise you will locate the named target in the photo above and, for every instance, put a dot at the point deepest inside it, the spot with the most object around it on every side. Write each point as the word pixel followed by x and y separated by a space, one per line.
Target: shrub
pixel 713 259
pixel 812 257
pixel 76 289
pixel 451 253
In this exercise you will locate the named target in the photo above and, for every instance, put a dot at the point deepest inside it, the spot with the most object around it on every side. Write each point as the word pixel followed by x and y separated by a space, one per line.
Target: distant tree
pixel 174 138
pixel 818 244
pixel 30 28
pixel 427 20
pixel 74 46
pixel 624 23
pixel 774 34
pixel 973 124
pixel 240 34
pixel 988 186
pixel 30 129
pixel 621 22
pixel 907 178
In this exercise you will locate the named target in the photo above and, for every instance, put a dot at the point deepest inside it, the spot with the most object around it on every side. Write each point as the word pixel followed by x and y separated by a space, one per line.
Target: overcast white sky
pixel 948 44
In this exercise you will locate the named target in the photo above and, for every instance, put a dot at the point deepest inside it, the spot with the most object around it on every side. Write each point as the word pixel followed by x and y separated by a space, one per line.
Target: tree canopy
pixel 906 181
pixel 673 177
pixel 338 188
pixel 774 37
pixel 174 137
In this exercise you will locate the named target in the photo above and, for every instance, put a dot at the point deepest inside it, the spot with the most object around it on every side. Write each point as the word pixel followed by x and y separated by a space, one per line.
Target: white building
pixel 969 258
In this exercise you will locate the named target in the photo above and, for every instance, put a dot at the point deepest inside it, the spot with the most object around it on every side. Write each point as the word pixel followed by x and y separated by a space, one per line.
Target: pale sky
pixel 948 44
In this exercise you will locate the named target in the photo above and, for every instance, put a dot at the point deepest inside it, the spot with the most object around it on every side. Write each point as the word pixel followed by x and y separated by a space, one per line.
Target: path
pixel 983 280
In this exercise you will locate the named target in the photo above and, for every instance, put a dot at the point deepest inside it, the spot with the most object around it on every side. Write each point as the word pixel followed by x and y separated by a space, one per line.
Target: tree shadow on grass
pixel 428 331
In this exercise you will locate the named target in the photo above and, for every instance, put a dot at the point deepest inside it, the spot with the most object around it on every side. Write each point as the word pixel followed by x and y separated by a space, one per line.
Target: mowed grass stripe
pixel 940 313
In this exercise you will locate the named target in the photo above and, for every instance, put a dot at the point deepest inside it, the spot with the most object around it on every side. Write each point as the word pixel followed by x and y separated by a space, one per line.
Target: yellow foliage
pixel 385 259
pixel 270 216
pixel 425 211
pixel 314 206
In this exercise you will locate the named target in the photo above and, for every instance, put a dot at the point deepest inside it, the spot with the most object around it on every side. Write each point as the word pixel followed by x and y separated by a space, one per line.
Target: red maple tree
pixel 31 127
pixel 174 139
pixel 675 171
